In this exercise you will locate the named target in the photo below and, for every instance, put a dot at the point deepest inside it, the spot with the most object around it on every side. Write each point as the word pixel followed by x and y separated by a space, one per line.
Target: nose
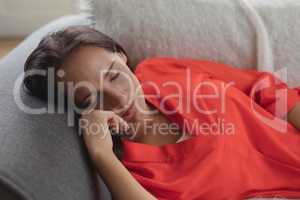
pixel 114 100
pixel 122 106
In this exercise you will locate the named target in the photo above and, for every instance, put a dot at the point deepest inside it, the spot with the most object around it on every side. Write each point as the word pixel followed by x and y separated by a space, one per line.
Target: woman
pixel 190 129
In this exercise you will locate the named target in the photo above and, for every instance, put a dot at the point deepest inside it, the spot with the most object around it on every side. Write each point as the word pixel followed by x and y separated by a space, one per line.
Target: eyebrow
pixel 109 69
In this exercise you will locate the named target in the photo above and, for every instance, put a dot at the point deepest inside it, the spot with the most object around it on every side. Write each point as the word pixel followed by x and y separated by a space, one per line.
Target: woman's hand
pixel 97 126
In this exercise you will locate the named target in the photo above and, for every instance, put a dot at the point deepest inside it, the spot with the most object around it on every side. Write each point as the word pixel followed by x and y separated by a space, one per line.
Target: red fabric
pixel 259 158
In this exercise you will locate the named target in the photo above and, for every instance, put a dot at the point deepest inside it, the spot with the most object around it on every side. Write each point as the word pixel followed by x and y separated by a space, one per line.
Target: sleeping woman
pixel 186 128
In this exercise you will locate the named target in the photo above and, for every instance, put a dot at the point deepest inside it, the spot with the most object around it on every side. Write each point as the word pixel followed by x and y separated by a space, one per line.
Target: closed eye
pixel 115 76
pixel 87 100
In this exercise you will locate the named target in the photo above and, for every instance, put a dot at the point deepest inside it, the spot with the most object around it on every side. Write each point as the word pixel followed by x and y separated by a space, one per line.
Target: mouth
pixel 129 113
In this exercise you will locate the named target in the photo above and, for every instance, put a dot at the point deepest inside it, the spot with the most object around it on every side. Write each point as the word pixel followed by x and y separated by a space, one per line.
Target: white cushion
pixel 218 30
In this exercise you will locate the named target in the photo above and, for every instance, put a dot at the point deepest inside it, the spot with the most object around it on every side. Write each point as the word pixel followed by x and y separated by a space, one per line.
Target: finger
pixel 123 125
pixel 113 124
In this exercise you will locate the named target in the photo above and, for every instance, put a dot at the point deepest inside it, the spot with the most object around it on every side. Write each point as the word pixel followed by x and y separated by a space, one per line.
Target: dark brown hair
pixel 54 48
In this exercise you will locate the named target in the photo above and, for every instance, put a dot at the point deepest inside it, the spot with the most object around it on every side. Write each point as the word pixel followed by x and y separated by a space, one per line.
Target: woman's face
pixel 103 80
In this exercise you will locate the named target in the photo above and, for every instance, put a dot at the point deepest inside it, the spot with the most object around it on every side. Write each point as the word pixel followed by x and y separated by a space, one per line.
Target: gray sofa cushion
pixel 224 31
pixel 40 156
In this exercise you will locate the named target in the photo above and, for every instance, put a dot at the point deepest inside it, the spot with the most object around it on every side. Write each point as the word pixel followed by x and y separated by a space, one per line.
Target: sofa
pixel 43 158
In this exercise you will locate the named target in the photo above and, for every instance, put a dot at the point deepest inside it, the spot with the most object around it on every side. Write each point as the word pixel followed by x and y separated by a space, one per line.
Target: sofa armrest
pixel 41 157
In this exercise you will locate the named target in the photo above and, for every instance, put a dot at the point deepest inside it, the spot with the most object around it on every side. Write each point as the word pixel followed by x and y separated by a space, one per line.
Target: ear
pixel 123 56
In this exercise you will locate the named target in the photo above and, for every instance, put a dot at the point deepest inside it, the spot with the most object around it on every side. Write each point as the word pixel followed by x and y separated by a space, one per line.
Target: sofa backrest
pixel 231 31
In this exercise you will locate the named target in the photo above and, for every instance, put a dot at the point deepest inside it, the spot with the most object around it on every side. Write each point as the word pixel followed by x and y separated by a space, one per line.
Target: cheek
pixel 114 96
pixel 127 86
pixel 109 100
pixel 119 93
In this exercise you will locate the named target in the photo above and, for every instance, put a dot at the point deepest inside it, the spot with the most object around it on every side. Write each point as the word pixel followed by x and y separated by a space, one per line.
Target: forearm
pixel 118 179
pixel 294 116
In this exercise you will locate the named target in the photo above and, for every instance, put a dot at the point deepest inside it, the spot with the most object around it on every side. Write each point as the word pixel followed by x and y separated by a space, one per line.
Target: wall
pixel 18 18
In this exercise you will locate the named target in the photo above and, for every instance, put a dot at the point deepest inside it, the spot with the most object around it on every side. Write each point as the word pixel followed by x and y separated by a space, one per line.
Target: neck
pixel 155 128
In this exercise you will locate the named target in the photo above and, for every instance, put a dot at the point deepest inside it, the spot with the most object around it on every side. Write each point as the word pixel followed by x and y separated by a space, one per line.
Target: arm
pixel 250 81
pixel 120 182
pixel 99 144
pixel 263 87
pixel 247 81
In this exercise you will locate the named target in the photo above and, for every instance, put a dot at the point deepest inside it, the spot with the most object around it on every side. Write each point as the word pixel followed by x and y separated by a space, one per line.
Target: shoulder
pixel 156 68
pixel 156 63
pixel 165 68
pixel 167 64
pixel 170 65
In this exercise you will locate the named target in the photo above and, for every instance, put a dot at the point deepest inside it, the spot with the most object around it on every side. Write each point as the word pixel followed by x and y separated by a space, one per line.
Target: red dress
pixel 239 149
